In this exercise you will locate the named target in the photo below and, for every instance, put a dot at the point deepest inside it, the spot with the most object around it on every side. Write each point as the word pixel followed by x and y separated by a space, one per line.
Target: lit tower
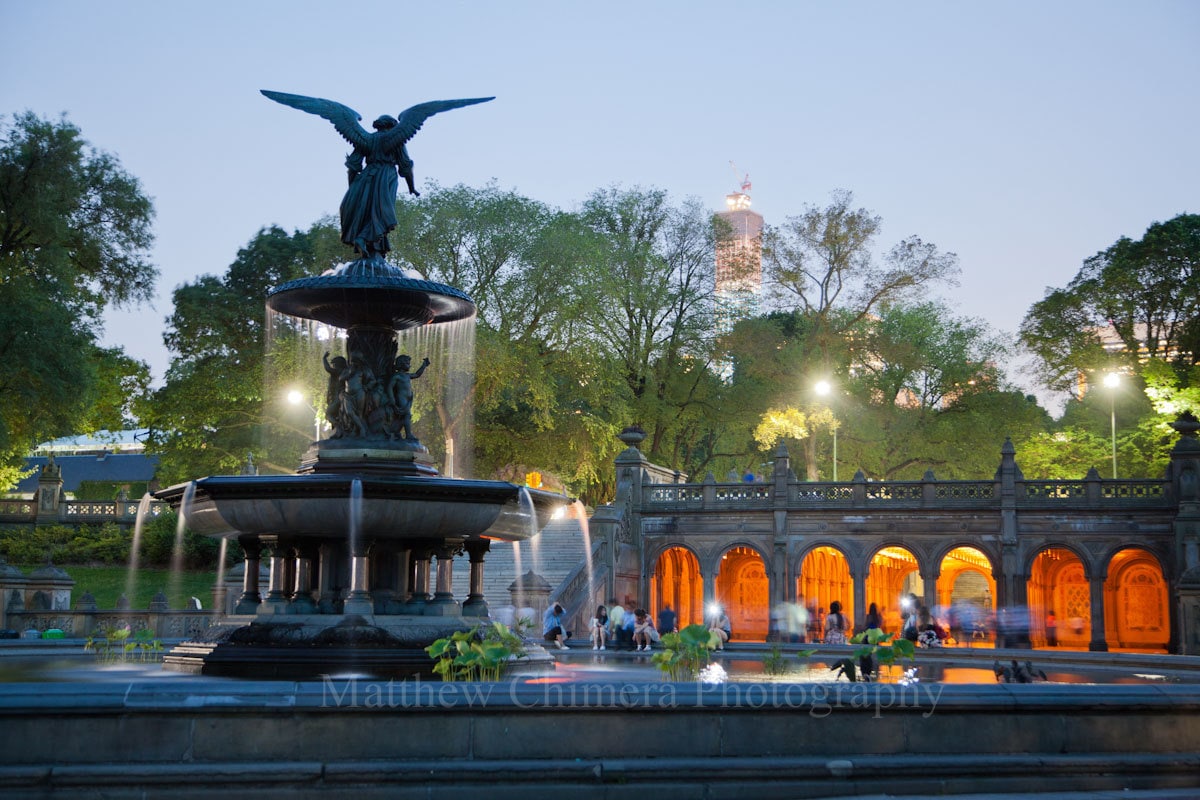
pixel 738 289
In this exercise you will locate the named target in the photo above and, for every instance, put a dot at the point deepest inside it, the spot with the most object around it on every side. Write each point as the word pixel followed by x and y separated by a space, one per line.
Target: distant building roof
pixel 102 441
pixel 105 467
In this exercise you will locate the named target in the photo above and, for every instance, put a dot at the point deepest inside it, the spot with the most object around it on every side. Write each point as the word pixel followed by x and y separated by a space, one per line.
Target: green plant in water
pixel 121 644
pixel 685 652
pixel 479 654
pixel 773 661
pixel 877 649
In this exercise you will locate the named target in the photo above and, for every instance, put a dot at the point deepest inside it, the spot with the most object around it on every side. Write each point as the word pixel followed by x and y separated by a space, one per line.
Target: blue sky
pixel 1023 136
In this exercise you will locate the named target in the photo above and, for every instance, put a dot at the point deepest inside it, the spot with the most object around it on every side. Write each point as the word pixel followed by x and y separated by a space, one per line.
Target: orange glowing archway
pixel 1136 610
pixel 966 594
pixel 743 589
pixel 893 574
pixel 824 577
pixel 1058 589
pixel 677 581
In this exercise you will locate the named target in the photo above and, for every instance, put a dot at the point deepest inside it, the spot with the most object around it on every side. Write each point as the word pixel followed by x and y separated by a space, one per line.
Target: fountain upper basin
pixel 393 508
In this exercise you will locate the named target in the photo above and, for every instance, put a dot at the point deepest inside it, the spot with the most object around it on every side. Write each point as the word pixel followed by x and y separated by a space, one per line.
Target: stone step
pixel 553 554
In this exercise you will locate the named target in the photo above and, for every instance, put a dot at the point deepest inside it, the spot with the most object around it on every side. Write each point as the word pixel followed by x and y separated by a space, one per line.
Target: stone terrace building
pixel 1117 562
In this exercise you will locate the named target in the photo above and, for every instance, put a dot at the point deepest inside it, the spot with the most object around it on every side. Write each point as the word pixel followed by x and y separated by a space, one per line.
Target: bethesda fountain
pixel 352 538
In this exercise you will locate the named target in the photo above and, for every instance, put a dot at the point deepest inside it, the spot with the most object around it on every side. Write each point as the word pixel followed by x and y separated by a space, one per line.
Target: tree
pixel 915 389
pixel 531 389
pixel 223 395
pixel 74 239
pixel 821 263
pixel 1144 291
pixel 649 308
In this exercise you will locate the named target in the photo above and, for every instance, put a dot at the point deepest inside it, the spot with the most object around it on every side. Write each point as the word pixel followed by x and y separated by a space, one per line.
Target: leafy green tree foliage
pixel 223 395
pixel 913 388
pixel 823 264
pixel 535 388
pixel 650 313
pixel 74 237
pixel 1065 454
pixel 1147 291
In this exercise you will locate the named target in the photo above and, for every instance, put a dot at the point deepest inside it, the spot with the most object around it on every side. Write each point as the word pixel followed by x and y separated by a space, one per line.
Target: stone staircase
pixel 554 554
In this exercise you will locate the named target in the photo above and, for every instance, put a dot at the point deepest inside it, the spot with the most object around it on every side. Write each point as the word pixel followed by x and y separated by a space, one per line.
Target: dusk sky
pixel 1023 136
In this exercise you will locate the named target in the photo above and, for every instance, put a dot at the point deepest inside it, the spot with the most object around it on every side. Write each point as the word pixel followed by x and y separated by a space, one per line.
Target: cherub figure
pixel 333 392
pixel 402 394
pixel 354 379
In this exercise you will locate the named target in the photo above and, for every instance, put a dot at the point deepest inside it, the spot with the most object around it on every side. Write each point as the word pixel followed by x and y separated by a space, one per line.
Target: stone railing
pixel 81 624
pixel 77 512
pixel 578 589
pixel 1093 492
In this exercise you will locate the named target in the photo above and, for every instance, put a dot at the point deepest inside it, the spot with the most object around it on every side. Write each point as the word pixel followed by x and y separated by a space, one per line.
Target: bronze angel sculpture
pixel 368 210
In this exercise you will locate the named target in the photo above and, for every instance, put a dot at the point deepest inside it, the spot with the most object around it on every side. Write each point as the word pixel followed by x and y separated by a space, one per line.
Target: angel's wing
pixel 411 120
pixel 344 118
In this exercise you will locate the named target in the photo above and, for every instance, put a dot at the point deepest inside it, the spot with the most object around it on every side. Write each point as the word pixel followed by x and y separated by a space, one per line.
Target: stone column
pixel 859 580
pixel 421 555
pixel 929 590
pixel 359 599
pixel 326 597
pixel 476 605
pixel 276 601
pixel 709 579
pixel 403 574
pixel 1098 644
pixel 443 603
pixel 252 550
pixel 302 599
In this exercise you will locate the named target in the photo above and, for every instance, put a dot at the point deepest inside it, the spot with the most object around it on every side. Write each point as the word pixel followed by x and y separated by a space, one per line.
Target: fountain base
pixel 374 456
pixel 304 647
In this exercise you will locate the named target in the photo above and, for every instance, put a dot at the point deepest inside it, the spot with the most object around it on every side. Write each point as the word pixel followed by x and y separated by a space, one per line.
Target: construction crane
pixel 745 179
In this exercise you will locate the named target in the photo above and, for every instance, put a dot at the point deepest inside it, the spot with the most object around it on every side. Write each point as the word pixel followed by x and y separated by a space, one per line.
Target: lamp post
pixel 824 388
pixel 296 398
pixel 1112 380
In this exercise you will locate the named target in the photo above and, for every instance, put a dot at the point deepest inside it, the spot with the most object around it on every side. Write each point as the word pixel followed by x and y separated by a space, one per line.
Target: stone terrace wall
pixel 430 740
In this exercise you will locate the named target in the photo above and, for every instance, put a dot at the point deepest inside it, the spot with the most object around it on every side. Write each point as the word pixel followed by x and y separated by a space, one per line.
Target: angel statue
pixel 368 210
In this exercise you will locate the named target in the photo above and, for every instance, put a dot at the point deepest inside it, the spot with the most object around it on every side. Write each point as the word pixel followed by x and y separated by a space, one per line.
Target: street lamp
pixel 296 398
pixel 1112 380
pixel 824 388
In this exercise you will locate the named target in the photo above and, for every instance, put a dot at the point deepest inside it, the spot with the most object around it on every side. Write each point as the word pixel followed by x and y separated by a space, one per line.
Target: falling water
pixel 529 513
pixel 579 512
pixel 449 380
pixel 175 583
pixel 219 590
pixel 135 547
pixel 517 566
pixel 356 503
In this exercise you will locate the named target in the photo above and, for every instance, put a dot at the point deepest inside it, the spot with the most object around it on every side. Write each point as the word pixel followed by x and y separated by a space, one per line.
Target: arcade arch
pixel 677 581
pixel 1058 585
pixel 893 573
pixel 1136 611
pixel 824 577
pixel 966 593
pixel 742 588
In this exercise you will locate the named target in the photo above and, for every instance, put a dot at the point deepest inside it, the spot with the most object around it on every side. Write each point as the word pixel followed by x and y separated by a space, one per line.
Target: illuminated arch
pixel 966 592
pixel 893 572
pixel 743 588
pixel 1058 585
pixel 676 580
pixel 1136 601
pixel 824 576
